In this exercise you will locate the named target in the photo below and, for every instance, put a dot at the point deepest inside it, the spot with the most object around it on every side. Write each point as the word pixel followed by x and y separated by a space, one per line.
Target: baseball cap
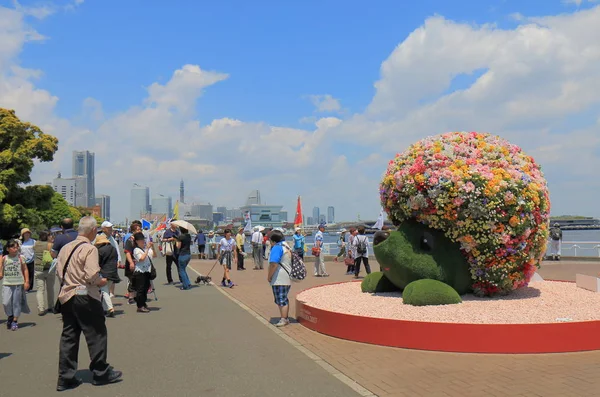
pixel 106 224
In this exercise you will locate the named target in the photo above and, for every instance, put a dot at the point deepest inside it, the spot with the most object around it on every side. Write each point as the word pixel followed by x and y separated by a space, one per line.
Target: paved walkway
pixel 193 343
pixel 388 372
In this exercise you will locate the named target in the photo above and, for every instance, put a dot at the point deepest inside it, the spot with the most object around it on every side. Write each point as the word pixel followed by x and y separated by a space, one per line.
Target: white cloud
pixel 325 103
pixel 528 85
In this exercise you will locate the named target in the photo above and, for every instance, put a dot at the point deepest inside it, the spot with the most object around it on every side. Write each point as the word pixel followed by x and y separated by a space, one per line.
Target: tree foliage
pixel 22 143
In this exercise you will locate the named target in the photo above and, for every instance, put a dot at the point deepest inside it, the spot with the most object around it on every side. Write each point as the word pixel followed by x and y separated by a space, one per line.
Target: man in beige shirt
pixel 240 241
pixel 82 309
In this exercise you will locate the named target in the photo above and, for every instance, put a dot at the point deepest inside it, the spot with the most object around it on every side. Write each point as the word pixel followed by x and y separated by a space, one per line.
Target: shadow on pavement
pixel 4 355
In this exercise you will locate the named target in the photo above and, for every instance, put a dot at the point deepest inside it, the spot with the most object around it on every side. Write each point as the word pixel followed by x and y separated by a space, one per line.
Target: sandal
pixel 143 310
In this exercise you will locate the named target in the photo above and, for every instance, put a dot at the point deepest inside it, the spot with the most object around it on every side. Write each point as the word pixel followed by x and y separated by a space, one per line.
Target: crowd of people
pixel 86 263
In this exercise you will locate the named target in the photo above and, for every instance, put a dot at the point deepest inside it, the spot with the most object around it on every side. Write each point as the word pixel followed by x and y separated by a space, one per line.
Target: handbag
pixel 316 251
pixel 348 261
pixel 168 250
pixel 152 270
pixel 58 305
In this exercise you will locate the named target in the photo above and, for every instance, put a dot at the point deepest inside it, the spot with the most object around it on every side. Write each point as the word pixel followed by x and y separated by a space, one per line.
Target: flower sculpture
pixel 482 192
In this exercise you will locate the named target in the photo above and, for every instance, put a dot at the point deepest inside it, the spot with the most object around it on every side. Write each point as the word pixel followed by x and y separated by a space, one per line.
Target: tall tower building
pixel 162 205
pixel 104 202
pixel 316 214
pixel 181 192
pixel 139 201
pixel 83 171
pixel 253 198
pixel 330 214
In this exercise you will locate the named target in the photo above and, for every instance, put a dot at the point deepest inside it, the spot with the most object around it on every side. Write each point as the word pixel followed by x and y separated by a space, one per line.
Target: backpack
pixel 47 259
pixel 298 272
pixel 361 246
pixel 555 234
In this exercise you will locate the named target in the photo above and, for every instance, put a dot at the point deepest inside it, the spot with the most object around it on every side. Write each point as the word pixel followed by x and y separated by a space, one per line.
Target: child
pixel 227 255
pixel 16 281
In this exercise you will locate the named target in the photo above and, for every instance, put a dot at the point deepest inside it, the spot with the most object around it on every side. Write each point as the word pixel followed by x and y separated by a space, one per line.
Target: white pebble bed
pixel 541 302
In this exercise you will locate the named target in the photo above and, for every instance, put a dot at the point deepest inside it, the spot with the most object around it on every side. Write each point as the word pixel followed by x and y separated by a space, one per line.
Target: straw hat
pixel 101 239
pixel 25 230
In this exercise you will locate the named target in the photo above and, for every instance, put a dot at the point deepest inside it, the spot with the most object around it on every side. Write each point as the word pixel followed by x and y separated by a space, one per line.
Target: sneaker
pixel 224 283
pixel 112 377
pixel 143 310
pixel 126 296
pixel 9 322
pixel 111 295
pixel 110 313
pixel 230 284
pixel 41 312
pixel 14 326
pixel 131 302
pixel 282 322
pixel 63 385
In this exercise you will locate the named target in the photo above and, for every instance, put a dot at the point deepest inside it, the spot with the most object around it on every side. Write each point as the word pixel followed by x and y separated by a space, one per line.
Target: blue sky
pixel 272 57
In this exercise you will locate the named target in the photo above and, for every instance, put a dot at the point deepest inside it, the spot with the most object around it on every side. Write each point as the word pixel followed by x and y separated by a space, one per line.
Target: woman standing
pixel 184 241
pixel 141 270
pixel 28 253
pixel 108 260
pixel 227 256
pixel 43 278
pixel 351 252
pixel 212 245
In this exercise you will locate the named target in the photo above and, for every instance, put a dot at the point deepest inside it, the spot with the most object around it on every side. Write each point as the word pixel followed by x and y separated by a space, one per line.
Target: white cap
pixel 297 229
pixel 106 224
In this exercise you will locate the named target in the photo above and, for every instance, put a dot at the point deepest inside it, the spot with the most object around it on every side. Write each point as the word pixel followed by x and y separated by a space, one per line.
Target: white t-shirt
pixel 281 276
pixel 145 265
pixel 257 237
pixel 226 245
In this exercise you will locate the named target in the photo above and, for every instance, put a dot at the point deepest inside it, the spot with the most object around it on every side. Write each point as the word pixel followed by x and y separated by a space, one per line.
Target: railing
pixel 580 248
pixel 568 248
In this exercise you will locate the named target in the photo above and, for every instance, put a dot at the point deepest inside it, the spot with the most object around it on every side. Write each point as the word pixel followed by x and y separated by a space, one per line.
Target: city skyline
pixel 214 113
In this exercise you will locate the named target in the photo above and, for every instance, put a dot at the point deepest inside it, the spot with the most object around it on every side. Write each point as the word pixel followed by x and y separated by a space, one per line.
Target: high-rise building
pixel 330 214
pixel 309 221
pixel 104 202
pixel 83 168
pixel 181 192
pixel 203 211
pixel 162 205
pixel 283 215
pixel 222 210
pixel 234 213
pixel 66 188
pixel 322 219
pixel 316 214
pixel 253 198
pixel 139 201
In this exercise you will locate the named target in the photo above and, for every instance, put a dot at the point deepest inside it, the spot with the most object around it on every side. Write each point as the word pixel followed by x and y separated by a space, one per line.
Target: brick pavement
pixel 395 372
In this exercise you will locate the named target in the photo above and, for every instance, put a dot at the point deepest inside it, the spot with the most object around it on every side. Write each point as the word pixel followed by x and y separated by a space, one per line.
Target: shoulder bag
pixel 58 305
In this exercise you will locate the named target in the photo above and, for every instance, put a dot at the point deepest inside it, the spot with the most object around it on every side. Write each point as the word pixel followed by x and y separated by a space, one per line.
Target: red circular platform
pixel 453 337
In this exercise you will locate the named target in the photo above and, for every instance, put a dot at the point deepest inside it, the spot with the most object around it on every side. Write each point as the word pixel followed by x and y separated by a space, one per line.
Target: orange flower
pixel 514 221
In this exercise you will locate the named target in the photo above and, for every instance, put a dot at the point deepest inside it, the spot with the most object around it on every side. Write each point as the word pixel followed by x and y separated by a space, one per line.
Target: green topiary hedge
pixel 377 282
pixel 428 292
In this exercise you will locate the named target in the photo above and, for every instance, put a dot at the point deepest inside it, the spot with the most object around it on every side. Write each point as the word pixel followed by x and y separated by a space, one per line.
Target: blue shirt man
pixel 69 234
pixel 201 239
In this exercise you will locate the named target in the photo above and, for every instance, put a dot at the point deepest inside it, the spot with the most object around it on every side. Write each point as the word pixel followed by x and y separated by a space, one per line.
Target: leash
pixel 211 269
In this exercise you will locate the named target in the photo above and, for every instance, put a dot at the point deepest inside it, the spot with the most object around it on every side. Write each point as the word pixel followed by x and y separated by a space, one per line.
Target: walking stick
pixel 153 290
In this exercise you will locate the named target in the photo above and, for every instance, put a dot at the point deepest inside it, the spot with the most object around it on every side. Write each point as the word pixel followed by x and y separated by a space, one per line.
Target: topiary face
pixel 480 191
pixel 416 252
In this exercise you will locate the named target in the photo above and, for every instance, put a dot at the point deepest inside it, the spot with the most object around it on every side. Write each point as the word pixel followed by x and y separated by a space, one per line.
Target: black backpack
pixel 555 233
pixel 361 245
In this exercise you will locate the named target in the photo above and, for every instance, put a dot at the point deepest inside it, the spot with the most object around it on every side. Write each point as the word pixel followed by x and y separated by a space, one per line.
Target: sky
pixel 307 98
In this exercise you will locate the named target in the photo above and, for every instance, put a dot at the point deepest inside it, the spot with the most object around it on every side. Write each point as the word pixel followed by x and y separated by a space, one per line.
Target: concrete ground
pixel 193 343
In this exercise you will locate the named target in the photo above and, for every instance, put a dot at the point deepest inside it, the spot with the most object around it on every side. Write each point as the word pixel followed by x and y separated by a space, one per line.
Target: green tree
pixel 59 209
pixel 20 144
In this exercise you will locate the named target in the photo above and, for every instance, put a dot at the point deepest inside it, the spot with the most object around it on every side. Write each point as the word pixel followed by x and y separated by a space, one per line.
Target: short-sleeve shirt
pixel 13 273
pixel 226 245
pixel 63 239
pixel 142 266
pixel 186 241
pixel 282 256
pixel 319 237
pixel 298 241
pixel 201 239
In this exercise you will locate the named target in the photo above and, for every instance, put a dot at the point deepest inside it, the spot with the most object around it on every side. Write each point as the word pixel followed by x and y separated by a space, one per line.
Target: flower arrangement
pixel 484 193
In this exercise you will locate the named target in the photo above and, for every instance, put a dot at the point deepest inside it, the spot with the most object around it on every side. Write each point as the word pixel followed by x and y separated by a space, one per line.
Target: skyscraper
pixel 104 202
pixel 181 192
pixel 162 205
pixel 83 169
pixel 330 214
pixel 253 198
pixel 139 201
pixel 316 214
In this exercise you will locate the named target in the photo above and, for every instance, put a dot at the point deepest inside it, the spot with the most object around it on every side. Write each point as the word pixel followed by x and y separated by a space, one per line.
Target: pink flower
pixel 469 187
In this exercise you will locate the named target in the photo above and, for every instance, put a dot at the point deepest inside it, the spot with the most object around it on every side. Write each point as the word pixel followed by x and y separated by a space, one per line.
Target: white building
pixel 202 211
pixel 66 188
pixel 139 201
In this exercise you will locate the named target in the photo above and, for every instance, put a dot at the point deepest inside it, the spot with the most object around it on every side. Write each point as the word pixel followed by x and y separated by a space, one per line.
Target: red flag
pixel 298 220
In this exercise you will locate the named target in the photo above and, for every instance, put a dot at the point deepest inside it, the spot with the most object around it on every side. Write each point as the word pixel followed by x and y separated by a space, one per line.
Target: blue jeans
pixel 182 263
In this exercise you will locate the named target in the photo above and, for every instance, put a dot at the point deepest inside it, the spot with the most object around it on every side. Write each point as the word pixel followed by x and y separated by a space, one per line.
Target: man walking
pixel 81 310
pixel 107 229
pixel 170 250
pixel 201 241
pixel 240 241
pixel 69 234
pixel 318 253
pixel 257 243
